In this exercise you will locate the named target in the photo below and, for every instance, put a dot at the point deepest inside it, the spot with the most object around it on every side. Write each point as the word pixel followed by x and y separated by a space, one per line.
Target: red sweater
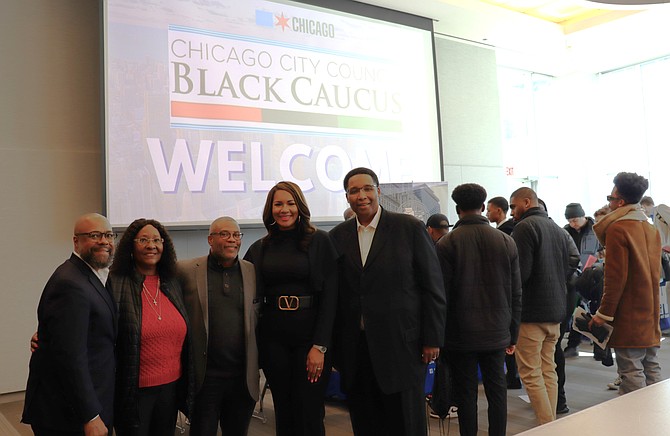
pixel 162 339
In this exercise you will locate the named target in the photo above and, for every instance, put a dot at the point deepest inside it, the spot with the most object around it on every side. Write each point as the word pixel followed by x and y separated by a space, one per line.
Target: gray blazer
pixel 192 276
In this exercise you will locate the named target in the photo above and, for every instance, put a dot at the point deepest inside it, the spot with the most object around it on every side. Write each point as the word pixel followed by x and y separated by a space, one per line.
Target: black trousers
pixel 574 337
pixel 463 366
pixel 158 412
pixel 374 413
pixel 223 401
pixel 512 374
pixel 559 359
pixel 298 403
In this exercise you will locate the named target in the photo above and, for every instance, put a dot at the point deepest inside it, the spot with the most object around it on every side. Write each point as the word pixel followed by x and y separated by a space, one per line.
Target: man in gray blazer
pixel 220 297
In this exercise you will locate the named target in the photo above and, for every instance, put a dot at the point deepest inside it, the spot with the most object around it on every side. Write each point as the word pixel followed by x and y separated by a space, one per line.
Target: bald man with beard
pixel 544 264
pixel 71 382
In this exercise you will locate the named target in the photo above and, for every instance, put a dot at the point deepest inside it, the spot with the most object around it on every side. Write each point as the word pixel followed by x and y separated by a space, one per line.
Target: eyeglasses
pixel 97 236
pixel 227 235
pixel 145 241
pixel 613 198
pixel 367 190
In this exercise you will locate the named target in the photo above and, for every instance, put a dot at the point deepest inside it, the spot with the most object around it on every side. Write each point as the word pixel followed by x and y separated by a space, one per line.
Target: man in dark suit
pixel 391 312
pixel 220 297
pixel 496 212
pixel 70 387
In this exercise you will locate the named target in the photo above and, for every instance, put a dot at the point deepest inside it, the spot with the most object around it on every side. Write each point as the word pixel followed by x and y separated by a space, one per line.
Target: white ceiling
pixel 594 38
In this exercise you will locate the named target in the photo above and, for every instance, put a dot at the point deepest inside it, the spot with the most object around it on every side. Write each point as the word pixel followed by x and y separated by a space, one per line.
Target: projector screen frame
pixel 350 7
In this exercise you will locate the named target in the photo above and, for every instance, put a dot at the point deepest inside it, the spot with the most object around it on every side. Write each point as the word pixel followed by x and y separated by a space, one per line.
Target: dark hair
pixel 305 228
pixel 630 186
pixel 360 170
pixel 469 196
pixel 124 263
pixel 647 200
pixel 500 202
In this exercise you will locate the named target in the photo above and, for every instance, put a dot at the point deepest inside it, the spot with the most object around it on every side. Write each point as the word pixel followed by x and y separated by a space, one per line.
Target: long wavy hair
pixel 124 263
pixel 305 228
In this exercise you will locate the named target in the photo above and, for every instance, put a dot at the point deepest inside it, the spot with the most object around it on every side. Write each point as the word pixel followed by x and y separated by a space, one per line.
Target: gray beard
pixel 90 259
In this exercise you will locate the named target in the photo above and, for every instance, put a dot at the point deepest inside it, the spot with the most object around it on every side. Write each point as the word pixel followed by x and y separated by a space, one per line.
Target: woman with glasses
pixel 296 279
pixel 154 374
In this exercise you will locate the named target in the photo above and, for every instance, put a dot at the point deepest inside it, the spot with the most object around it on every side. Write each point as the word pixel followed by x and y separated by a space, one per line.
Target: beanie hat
pixel 574 210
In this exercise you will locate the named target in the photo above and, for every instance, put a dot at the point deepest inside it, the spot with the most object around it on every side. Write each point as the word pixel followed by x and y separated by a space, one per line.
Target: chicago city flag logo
pixel 295 24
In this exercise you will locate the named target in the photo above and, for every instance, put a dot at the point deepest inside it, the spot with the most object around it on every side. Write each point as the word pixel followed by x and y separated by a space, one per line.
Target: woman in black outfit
pixel 296 279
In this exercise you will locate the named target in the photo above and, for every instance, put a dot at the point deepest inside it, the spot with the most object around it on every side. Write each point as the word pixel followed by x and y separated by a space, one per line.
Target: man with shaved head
pixel 71 382
pixel 220 297
pixel 544 264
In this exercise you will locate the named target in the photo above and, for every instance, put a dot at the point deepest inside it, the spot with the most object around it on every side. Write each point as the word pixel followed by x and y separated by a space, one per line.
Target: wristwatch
pixel 320 348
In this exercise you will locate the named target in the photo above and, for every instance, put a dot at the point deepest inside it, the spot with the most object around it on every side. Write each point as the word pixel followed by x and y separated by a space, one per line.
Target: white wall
pixel 50 155
pixel 470 113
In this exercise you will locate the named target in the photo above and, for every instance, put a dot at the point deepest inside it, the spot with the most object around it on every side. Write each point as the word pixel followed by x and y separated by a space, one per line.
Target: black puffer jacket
pixel 480 266
pixel 544 263
pixel 127 291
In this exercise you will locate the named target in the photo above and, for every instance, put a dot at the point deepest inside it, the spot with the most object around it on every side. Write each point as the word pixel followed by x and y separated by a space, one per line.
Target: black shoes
pixel 570 352
pixel 562 410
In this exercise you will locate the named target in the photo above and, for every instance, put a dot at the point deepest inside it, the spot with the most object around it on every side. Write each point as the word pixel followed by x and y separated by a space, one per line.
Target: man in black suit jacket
pixel 71 382
pixel 391 312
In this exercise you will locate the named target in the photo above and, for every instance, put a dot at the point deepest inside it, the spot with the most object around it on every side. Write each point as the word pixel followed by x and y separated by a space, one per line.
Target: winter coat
pixel 544 263
pixel 480 266
pixel 631 289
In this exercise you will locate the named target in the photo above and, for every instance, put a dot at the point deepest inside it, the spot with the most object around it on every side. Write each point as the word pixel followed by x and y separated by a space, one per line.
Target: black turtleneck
pixel 285 267
pixel 226 349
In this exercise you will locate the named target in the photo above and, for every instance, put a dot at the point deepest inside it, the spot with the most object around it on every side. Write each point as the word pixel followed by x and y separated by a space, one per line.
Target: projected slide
pixel 209 104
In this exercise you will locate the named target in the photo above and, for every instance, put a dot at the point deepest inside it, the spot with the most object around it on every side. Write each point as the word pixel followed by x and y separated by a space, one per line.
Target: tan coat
pixel 631 288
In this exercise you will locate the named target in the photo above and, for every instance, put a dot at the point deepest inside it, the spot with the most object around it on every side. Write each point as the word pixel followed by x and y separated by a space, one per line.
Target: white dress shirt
pixel 366 234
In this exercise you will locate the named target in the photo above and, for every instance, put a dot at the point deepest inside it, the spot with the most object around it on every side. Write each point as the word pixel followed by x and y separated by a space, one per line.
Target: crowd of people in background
pixel 128 335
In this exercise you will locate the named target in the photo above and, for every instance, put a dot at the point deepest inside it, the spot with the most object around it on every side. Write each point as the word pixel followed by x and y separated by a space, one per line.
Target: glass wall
pixel 568 137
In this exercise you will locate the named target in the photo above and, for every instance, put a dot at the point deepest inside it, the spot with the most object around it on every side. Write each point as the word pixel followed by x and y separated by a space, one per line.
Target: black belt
pixel 290 302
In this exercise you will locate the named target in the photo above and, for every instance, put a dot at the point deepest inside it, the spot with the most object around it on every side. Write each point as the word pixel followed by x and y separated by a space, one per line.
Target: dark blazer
pixel 507 227
pixel 71 376
pixel 192 275
pixel 400 295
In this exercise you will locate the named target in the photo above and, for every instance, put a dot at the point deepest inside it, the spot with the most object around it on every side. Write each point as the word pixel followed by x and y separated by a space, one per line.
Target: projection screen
pixel 209 103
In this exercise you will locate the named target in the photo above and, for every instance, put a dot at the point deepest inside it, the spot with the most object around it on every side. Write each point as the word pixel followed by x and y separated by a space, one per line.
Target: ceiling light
pixel 630 2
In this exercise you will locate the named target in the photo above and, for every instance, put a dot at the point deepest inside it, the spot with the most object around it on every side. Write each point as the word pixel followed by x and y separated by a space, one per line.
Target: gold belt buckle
pixel 288 302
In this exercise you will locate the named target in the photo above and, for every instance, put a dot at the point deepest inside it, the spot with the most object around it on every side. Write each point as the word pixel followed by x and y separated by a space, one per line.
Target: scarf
pixel 633 212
